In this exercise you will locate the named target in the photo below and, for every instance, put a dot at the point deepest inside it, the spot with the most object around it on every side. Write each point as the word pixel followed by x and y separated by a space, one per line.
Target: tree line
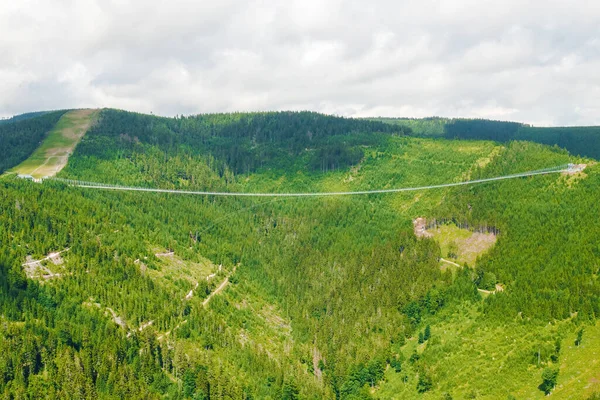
pixel 19 137
pixel 582 141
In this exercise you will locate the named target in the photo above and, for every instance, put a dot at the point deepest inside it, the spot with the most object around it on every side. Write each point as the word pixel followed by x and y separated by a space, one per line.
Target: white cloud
pixel 534 61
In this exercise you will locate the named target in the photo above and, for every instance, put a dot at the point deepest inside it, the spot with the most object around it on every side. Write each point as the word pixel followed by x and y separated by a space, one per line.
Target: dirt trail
pixel 208 278
pixel 220 288
pixel 63 162
pixel 49 257
pixel 449 262
pixel 141 328
pixel 499 288
pixel 167 254
pixel 118 320
pixel 33 268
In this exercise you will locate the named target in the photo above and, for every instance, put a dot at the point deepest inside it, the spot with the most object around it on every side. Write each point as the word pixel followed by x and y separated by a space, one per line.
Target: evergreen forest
pixel 125 294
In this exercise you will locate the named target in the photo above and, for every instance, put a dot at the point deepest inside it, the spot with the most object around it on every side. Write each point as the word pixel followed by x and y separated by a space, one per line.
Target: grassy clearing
pixel 263 328
pixel 468 357
pixel 53 153
pixel 461 245
pixel 580 367
pixel 180 275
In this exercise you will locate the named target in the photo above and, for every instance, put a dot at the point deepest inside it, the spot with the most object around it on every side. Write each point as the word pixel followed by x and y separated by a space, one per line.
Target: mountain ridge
pixel 324 297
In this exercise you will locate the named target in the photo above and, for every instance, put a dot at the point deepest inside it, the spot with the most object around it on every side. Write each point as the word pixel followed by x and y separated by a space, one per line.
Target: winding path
pixel 219 288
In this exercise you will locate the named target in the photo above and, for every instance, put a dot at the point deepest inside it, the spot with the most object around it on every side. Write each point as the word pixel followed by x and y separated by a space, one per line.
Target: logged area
pixel 458 244
pixel 483 291
pixel 53 153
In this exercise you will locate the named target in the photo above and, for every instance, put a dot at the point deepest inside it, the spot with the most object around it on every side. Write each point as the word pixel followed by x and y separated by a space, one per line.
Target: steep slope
pixel 19 137
pixel 546 261
pixel 53 153
pixel 324 297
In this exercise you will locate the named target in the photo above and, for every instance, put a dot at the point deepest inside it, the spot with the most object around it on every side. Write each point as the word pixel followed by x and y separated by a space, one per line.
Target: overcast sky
pixel 531 61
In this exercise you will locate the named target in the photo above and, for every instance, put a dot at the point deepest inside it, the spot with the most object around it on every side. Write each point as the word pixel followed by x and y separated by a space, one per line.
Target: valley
pixel 168 291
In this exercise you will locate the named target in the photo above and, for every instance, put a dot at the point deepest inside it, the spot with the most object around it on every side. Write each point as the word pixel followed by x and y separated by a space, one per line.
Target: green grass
pixel 467 355
pixel 468 245
pixel 177 274
pixel 58 144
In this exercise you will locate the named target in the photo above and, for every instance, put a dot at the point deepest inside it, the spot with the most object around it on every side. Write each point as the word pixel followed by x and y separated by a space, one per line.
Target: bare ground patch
pixel 470 248
pixel 575 174
pixel 420 227
pixel 458 245
pixel 44 268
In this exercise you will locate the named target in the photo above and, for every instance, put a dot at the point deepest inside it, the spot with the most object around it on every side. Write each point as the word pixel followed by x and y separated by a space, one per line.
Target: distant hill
pixel 242 142
pixel 579 140
pixel 483 291
pixel 426 127
pixel 22 117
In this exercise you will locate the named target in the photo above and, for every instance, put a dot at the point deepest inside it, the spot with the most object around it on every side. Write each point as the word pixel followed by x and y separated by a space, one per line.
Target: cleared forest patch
pixel 54 152
pixel 178 274
pixel 462 245
pixel 489 361
pixel 46 268
pixel 574 175
pixel 457 245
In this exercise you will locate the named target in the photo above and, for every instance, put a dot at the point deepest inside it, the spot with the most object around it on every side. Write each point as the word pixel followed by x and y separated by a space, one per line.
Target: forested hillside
pixel 583 141
pixel 195 297
pixel 578 140
pixel 240 142
pixel 22 117
pixel 19 137
pixel 423 127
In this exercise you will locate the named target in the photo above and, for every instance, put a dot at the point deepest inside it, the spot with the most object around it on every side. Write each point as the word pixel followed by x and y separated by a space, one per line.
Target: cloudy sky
pixel 532 61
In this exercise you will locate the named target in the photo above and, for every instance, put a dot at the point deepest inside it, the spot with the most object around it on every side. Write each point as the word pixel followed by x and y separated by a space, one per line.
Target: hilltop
pixel 579 140
pixel 53 153
pixel 464 292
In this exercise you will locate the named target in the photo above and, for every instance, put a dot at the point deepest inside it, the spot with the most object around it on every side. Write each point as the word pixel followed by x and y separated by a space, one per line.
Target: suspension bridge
pixel 566 168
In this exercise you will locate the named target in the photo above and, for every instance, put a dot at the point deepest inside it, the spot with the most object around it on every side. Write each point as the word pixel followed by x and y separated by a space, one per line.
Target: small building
pixel 25 176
